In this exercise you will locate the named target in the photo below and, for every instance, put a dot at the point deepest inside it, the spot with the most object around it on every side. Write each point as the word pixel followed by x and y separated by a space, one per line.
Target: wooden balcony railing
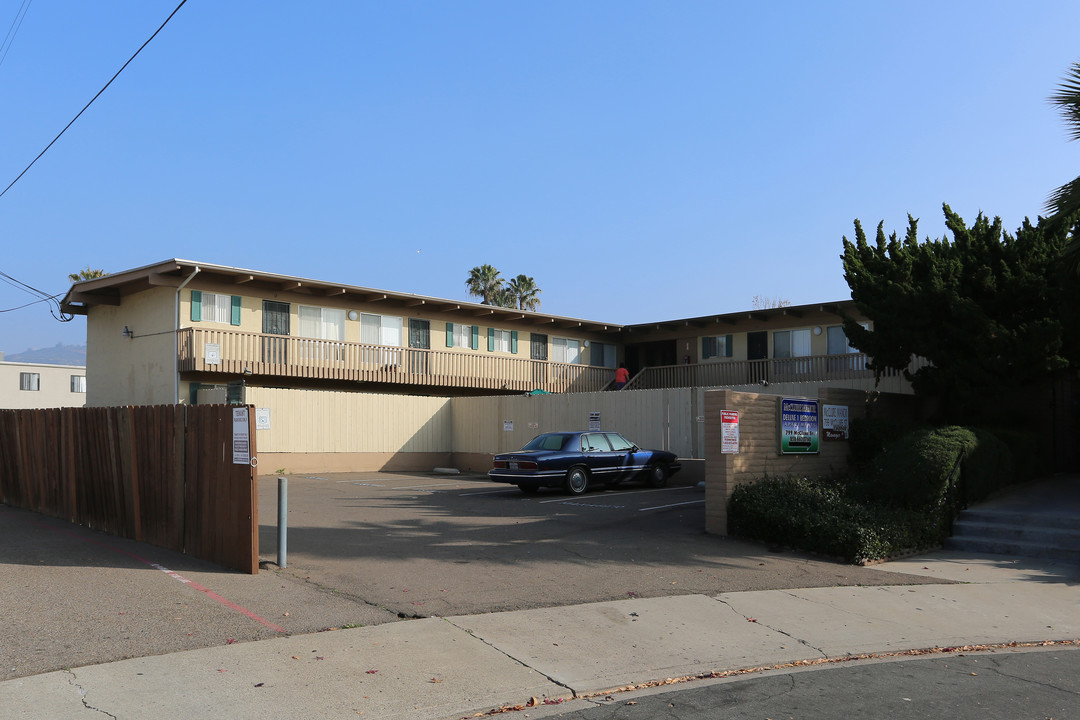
pixel 238 353
pixel 814 368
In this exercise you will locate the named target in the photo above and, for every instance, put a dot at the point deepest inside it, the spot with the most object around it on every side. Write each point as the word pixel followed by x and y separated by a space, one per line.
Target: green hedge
pixel 902 498
pixel 816 515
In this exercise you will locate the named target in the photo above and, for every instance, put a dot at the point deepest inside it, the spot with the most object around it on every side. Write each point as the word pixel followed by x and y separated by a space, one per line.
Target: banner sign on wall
pixel 729 432
pixel 834 422
pixel 798 426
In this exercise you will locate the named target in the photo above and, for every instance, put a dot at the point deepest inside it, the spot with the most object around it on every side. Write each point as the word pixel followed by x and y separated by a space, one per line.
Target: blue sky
pixel 641 160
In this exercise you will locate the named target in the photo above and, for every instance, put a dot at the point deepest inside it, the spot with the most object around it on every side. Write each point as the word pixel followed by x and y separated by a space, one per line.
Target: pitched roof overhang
pixel 109 289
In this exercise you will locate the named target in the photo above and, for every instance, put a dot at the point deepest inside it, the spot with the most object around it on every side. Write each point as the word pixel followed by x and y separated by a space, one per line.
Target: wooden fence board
pixel 161 474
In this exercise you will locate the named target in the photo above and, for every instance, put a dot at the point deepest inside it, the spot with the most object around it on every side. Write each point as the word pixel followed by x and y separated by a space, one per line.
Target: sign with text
pixel 212 353
pixel 798 426
pixel 594 421
pixel 729 432
pixel 241 439
pixel 508 426
pixel 262 418
pixel 834 422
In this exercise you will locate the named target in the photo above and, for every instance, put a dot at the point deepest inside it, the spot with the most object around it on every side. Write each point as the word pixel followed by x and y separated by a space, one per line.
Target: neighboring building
pixel 167 332
pixel 37 385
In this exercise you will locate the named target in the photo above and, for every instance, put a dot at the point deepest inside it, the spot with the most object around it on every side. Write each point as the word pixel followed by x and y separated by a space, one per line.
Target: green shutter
pixel 196 305
pixel 728 350
pixel 491 339
pixel 235 310
pixel 513 341
pixel 708 347
pixel 475 337
pixel 449 334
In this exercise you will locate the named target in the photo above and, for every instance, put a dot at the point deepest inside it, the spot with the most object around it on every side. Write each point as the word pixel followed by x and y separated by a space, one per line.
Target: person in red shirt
pixel 622 376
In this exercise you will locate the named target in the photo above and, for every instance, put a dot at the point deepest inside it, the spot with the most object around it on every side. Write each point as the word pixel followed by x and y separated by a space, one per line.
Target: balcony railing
pixel 733 373
pixel 235 353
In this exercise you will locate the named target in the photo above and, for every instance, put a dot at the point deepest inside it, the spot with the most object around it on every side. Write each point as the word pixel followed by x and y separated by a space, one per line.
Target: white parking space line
pixel 621 493
pixel 493 492
pixel 661 507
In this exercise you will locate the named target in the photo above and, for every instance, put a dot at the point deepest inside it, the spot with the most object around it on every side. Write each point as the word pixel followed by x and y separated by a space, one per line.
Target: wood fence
pixel 157 474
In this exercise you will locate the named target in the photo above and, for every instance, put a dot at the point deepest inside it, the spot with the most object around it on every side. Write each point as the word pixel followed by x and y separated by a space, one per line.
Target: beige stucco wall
pixel 54 386
pixel 140 370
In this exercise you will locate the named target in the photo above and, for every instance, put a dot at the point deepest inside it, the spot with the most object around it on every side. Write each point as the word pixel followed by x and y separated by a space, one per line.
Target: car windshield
pixel 549 441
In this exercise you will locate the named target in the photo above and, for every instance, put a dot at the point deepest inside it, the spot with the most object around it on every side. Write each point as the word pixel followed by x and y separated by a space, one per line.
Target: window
pixel 603 354
pixel 29 381
pixel 838 344
pixel 838 341
pixel 463 336
pixel 78 383
pixel 420 334
pixel 565 350
pixel 791 343
pixel 502 340
pixel 322 323
pixel 719 346
pixel 380 330
pixel 214 307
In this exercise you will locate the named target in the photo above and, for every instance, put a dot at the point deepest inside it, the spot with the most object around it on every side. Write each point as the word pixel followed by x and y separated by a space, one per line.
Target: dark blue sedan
pixel 575 460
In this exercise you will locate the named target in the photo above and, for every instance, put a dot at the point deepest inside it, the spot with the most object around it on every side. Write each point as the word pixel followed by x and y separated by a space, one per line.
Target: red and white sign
pixel 729 432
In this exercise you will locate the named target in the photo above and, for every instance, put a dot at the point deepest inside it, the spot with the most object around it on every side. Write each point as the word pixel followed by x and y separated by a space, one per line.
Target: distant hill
pixel 57 355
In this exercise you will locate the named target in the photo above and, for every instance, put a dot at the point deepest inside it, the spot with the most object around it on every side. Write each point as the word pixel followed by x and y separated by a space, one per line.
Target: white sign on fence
pixel 212 353
pixel 241 441
pixel 594 421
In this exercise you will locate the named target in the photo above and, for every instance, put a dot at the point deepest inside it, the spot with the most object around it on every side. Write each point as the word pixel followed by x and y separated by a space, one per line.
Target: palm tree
pixel 485 282
pixel 1064 202
pixel 86 274
pixel 523 293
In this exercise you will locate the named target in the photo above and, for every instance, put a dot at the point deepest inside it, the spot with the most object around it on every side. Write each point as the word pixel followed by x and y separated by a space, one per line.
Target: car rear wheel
pixel 528 488
pixel 657 475
pixel 577 481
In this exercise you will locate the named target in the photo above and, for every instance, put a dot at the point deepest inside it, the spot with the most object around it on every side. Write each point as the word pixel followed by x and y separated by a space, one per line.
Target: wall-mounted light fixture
pixel 353 315
pixel 128 332
pixel 817 330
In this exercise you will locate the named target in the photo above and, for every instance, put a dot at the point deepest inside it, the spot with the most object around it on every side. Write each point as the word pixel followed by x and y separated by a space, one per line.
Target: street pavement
pixel 558 660
pixel 540 659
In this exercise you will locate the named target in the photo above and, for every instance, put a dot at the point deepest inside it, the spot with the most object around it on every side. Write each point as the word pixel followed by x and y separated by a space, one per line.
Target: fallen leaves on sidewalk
pixel 608 694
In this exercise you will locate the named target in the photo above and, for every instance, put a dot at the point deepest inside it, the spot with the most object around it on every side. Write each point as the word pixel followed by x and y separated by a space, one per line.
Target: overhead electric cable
pixel 182 3
pixel 20 15
pixel 42 297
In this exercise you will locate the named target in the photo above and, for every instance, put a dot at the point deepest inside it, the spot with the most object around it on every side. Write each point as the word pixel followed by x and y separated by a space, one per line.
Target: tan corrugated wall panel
pixel 659 419
pixel 317 421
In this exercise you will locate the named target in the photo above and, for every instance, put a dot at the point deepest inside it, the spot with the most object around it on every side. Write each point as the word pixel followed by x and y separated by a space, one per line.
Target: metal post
pixel 282 519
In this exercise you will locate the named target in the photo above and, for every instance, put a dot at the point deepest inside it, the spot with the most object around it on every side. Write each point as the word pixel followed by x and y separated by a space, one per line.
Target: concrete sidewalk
pixel 441 668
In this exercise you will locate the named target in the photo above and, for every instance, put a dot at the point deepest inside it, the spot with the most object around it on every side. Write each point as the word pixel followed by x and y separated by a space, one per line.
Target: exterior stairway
pixel 1036 520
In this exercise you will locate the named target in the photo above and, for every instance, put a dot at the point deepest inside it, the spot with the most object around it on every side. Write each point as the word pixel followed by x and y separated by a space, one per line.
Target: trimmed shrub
pixel 816 515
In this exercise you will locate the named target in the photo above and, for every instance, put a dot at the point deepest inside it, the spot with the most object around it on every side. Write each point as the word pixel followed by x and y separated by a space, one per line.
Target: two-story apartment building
pixel 161 333
pixel 26 385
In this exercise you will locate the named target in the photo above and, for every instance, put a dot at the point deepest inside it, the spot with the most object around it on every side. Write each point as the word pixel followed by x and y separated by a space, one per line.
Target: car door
pixel 629 461
pixel 602 461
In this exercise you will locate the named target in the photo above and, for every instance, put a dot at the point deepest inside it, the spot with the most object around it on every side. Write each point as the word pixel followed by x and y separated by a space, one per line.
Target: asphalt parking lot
pixel 371 548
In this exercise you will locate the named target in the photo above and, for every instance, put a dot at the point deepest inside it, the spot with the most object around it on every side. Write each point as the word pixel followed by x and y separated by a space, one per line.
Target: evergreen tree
pixel 987 309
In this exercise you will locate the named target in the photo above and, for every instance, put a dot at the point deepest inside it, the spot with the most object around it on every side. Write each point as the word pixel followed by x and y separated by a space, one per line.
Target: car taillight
pixel 526 465
pixel 500 464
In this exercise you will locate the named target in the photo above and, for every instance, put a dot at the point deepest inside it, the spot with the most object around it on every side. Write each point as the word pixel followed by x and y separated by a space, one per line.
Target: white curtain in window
pixel 462 335
pixel 380 330
pixel 322 323
pixel 216 307
pixel 565 350
pixel 800 343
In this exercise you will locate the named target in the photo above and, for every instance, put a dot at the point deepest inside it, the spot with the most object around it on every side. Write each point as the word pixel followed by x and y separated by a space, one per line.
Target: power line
pixel 20 15
pixel 58 313
pixel 182 3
